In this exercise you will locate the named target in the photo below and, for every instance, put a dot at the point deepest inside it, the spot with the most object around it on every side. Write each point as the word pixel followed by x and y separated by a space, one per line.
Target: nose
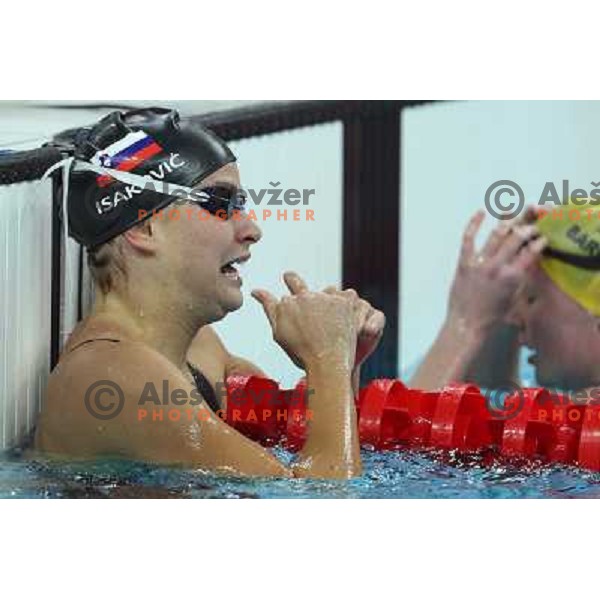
pixel 247 231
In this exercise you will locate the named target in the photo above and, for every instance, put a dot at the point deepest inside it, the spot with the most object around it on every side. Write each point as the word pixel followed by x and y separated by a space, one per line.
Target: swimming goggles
pixel 219 200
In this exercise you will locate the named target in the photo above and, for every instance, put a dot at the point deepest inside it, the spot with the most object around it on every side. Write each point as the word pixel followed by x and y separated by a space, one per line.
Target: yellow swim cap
pixel 572 256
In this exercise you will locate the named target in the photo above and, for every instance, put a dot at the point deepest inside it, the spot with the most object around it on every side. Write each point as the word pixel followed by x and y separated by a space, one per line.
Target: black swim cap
pixel 153 142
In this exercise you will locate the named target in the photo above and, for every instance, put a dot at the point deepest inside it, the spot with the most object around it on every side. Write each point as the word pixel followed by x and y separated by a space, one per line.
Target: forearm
pixel 332 448
pixel 330 442
pixel 356 381
pixel 454 350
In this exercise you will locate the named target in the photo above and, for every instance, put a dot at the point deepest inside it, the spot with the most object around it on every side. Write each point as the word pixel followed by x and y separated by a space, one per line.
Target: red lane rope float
pixel 252 405
pixel 527 433
pixel 258 409
pixel 383 414
pixel 548 426
pixel 533 423
pixel 589 441
pixel 461 419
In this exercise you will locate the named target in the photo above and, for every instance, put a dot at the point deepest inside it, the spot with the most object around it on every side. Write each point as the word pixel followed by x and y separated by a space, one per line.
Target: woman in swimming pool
pixel 160 283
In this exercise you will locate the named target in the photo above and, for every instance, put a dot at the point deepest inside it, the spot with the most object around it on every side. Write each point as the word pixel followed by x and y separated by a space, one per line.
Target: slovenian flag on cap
pixel 125 154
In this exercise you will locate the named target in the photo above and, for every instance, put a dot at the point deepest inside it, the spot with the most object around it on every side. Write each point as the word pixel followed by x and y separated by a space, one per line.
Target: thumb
pixel 294 282
pixel 268 302
pixel 330 289
pixel 374 324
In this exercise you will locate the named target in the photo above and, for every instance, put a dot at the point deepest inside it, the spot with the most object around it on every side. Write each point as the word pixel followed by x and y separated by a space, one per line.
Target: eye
pixel 530 298
pixel 222 192
pixel 238 200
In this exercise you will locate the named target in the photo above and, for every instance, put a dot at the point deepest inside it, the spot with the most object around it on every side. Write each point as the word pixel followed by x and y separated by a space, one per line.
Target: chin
pixel 234 307
pixel 233 303
pixel 223 310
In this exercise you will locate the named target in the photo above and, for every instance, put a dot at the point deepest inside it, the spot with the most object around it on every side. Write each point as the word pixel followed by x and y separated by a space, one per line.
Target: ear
pixel 142 237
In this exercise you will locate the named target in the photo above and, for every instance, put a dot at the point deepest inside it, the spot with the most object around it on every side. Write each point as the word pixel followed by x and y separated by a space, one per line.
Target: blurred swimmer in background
pixel 534 283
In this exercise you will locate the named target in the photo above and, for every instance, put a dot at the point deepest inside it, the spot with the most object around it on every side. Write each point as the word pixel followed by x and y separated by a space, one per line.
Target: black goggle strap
pixel 230 198
pixel 590 263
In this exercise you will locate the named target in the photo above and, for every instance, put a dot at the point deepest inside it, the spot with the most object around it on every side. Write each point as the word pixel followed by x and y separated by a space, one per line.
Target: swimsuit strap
pixel 202 384
pixel 100 339
pixel 204 387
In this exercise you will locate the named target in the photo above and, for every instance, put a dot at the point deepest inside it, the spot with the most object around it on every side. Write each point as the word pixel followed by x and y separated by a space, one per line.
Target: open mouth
pixel 229 268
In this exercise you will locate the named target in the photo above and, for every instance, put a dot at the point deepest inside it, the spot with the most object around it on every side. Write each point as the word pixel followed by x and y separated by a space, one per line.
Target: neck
pixel 168 327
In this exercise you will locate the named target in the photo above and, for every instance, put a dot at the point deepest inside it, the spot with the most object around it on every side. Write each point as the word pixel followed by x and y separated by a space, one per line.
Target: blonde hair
pixel 107 264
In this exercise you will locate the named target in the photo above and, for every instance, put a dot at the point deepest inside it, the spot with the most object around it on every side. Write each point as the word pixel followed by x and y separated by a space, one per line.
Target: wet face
pixel 205 251
pixel 563 335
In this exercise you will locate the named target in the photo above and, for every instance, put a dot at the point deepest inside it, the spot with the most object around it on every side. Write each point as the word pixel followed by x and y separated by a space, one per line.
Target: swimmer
pixel 535 283
pixel 159 286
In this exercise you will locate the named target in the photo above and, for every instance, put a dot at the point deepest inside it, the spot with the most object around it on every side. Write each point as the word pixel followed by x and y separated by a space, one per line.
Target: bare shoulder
pixel 94 393
pixel 102 400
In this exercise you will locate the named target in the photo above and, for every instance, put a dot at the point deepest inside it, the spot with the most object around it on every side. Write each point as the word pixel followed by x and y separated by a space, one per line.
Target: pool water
pixel 393 474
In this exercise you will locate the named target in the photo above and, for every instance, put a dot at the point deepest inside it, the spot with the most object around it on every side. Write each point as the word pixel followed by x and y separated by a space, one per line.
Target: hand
pixel 369 321
pixel 485 283
pixel 311 326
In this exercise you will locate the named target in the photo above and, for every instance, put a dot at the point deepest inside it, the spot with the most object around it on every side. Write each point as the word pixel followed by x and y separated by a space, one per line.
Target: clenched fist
pixel 369 321
pixel 312 327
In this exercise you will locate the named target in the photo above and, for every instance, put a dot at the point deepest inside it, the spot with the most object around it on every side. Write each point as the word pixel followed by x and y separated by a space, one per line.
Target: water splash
pixel 393 474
